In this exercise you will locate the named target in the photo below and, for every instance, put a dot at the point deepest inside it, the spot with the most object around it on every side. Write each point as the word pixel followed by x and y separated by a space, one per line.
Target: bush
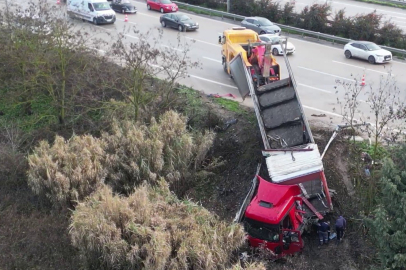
pixel 315 17
pixel 67 171
pixel 365 26
pixel 151 229
pixel 390 35
pixel 341 24
pixel 165 148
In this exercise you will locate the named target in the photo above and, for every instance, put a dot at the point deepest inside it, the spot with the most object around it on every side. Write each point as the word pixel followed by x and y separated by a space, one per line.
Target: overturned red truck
pixel 293 193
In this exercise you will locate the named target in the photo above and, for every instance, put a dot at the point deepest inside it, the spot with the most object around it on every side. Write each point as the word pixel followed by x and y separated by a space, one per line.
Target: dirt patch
pixel 32 238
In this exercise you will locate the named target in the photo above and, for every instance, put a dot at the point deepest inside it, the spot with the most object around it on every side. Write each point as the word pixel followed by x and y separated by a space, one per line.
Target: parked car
pixel 164 6
pixel 123 6
pixel 367 51
pixel 96 11
pixel 261 25
pixel 276 47
pixel 180 21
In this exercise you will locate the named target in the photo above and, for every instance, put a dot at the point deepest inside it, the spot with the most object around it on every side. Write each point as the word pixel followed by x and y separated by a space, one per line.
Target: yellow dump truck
pixel 256 55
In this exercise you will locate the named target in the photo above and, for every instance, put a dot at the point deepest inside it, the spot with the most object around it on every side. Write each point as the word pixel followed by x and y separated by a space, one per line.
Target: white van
pixel 96 11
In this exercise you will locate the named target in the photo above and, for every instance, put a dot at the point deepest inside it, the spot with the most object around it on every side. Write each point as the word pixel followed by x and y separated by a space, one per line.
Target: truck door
pixel 292 241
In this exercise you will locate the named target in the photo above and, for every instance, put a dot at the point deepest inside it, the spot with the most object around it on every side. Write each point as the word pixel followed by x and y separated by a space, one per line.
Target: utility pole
pixel 228 6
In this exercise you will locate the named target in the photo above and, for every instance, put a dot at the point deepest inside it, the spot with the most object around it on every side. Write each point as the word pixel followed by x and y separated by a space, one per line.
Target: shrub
pixel 287 13
pixel 365 26
pixel 341 24
pixel 390 35
pixel 67 171
pixel 151 229
pixel 165 148
pixel 315 17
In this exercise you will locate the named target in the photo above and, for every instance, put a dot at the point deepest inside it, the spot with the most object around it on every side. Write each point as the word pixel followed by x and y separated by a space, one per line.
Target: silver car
pixel 368 51
pixel 261 25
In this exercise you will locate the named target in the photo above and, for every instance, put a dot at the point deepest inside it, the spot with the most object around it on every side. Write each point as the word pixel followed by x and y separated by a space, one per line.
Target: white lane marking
pixel 386 73
pixel 200 78
pixel 213 44
pixel 147 15
pixel 309 69
pixel 384 11
pixel 125 21
pixel 172 48
pixel 322 111
pixel 315 88
pixel 211 59
pixel 207 80
pixel 131 36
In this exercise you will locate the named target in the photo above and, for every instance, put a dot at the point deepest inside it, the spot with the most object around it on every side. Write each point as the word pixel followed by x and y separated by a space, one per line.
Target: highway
pixel 352 8
pixel 316 66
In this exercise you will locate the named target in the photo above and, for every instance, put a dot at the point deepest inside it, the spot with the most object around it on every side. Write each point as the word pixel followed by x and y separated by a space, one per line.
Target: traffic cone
pixel 363 80
pixel 126 18
pixel 58 2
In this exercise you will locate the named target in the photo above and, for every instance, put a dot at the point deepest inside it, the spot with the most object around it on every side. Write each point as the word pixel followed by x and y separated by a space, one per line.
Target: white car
pixel 276 47
pixel 368 51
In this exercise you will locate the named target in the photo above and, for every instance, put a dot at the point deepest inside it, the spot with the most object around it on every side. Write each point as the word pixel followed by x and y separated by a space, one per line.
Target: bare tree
pixel 146 59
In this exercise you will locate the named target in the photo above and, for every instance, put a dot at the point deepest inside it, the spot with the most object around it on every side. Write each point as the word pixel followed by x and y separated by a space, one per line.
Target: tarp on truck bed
pixel 286 165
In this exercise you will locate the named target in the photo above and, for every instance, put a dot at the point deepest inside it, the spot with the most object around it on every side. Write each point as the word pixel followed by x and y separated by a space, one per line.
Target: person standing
pixel 324 231
pixel 341 224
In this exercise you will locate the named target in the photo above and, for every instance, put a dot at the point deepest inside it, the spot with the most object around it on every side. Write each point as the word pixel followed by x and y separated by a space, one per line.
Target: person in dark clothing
pixel 341 224
pixel 324 231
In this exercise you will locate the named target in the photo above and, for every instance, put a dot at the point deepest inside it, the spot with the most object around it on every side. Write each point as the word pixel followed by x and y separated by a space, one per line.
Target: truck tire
pixel 225 67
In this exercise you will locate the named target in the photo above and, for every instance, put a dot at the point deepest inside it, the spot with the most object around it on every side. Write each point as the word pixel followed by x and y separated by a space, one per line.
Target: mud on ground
pixel 240 147
pixel 35 239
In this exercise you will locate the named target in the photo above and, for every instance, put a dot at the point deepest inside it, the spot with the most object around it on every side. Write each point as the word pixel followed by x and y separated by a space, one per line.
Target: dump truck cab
pixel 256 55
pixel 274 218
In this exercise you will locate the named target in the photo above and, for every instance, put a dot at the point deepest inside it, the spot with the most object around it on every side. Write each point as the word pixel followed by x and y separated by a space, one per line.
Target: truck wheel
pixel 95 21
pixel 225 67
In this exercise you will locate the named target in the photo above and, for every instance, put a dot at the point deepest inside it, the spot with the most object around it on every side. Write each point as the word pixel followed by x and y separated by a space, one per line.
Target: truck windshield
pixel 261 230
pixel 101 6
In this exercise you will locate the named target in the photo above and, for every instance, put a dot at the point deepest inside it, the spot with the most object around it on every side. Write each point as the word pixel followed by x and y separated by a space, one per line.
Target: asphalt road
pixel 316 66
pixel 352 8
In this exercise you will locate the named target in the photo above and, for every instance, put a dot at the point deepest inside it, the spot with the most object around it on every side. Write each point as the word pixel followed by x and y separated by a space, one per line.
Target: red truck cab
pixel 273 219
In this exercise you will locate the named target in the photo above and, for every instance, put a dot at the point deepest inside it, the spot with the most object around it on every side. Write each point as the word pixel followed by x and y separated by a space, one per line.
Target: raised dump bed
pixel 291 155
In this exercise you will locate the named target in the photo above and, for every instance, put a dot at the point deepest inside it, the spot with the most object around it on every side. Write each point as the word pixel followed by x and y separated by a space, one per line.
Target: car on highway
pixel 123 6
pixel 367 51
pixel 261 25
pixel 164 6
pixel 275 41
pixel 179 21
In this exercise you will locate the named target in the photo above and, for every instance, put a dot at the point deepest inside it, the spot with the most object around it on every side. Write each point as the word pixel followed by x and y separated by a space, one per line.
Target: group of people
pixel 323 228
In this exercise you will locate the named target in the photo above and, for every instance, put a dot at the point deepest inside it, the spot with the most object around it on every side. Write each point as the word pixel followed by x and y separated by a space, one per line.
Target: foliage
pixel 315 17
pixel 151 229
pixel 165 148
pixel 365 26
pixel 387 222
pixel 381 152
pixel 67 171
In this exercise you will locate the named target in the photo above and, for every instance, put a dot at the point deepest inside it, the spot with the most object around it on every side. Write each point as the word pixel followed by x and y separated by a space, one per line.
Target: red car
pixel 163 6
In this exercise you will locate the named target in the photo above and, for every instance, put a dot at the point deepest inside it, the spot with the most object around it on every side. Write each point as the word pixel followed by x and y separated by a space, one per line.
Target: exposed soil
pixel 33 238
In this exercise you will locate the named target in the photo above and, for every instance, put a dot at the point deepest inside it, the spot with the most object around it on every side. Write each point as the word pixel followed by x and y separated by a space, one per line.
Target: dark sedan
pixel 181 22
pixel 123 6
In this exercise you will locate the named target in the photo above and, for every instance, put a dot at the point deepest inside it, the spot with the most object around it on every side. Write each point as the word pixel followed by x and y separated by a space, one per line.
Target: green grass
pixel 229 105
pixel 384 3
pixel 39 113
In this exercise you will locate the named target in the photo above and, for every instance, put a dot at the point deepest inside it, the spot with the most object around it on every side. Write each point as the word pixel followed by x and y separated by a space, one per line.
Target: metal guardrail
pixel 318 35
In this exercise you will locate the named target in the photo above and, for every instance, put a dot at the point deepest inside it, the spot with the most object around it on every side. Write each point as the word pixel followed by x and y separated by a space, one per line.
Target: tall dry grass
pixel 164 148
pixel 67 171
pixel 151 229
